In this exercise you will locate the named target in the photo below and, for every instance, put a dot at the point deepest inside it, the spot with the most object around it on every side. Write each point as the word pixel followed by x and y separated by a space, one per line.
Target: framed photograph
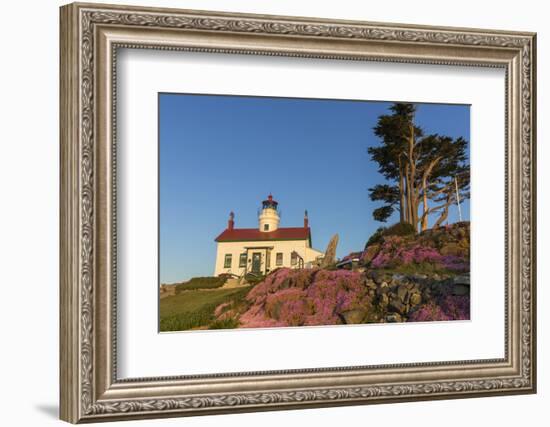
pixel 266 212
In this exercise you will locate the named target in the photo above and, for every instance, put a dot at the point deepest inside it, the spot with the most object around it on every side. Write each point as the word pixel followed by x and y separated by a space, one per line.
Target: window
pixel 242 260
pixel 227 261
pixel 293 258
pixel 266 227
pixel 279 258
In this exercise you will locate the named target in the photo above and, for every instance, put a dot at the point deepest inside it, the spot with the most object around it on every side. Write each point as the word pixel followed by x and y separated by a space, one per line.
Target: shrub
pixel 449 308
pixel 398 229
pixel 253 278
pixel 229 323
pixel 202 283
pixel 376 237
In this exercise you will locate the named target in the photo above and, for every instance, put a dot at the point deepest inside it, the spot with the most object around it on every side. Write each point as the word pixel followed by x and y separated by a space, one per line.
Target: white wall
pixel 286 247
pixel 29 212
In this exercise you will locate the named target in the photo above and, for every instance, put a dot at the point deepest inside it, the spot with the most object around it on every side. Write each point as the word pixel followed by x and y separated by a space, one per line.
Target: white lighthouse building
pixel 265 248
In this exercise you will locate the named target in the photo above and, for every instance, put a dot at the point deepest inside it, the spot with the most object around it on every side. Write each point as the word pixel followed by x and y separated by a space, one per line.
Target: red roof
pixel 253 234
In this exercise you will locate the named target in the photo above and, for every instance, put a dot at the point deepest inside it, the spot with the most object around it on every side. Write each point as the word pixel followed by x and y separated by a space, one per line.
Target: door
pixel 256 262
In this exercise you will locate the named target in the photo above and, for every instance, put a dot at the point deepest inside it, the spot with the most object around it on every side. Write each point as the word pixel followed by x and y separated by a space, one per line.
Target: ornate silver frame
pixel 90 36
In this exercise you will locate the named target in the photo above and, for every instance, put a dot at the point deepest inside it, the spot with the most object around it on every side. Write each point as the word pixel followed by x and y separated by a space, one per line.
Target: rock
pixel 370 253
pixel 418 276
pixel 330 253
pixel 415 299
pixel 355 316
pixel 393 318
pixel 384 285
pixel 382 291
pixel 370 284
pixel 376 276
pixel 383 300
pixel 463 279
pixel 461 290
pixel 402 292
pixel 398 277
pixel 396 305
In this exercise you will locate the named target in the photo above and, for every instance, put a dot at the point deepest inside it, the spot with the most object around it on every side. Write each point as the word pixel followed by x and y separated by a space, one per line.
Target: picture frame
pixel 91 35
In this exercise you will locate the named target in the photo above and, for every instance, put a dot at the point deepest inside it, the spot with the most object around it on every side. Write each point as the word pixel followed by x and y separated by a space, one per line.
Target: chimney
pixel 231 222
pixel 306 220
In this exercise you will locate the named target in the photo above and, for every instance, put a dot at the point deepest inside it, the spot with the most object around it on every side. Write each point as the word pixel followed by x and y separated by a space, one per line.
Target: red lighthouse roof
pixel 253 234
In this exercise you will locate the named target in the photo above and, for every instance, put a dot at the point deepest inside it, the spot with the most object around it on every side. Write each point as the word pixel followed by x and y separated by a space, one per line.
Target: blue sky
pixel 227 153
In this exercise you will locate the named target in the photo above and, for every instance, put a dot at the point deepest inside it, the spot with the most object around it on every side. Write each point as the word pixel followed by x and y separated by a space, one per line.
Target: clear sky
pixel 227 153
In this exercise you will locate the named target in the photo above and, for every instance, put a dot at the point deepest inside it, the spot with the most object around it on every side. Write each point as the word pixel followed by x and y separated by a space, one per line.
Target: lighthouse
pixel 266 247
pixel 269 215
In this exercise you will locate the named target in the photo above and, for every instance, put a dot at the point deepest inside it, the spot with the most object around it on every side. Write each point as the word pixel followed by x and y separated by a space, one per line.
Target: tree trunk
pixel 425 176
pixel 412 178
pixel 408 195
pixel 401 193
pixel 444 214
pixel 425 205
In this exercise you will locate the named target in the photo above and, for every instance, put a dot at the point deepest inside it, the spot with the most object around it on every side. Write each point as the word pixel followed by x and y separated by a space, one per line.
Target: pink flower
pixel 448 308
pixel 304 297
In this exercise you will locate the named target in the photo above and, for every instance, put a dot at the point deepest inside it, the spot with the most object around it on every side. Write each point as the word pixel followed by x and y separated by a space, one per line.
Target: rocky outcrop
pixel 330 252
pixel 443 249
pixel 322 297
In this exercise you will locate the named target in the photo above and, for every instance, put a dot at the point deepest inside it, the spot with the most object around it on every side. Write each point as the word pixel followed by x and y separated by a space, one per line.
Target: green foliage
pixel 230 323
pixel 398 229
pixel 376 237
pixel 253 278
pixel 202 283
pixel 382 213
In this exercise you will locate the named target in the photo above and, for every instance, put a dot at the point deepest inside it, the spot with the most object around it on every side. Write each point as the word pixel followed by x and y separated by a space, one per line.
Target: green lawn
pixel 201 283
pixel 193 309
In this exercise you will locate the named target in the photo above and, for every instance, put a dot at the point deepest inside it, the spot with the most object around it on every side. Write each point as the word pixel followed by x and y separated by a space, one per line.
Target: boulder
pixel 383 300
pixel 376 276
pixel 463 279
pixel 402 292
pixel 370 284
pixel 398 277
pixel 330 253
pixel 415 299
pixel 370 253
pixel 461 290
pixel 395 305
pixel 355 316
pixel 393 318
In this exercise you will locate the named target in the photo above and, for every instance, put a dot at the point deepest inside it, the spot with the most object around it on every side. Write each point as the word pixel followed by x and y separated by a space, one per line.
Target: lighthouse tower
pixel 269 215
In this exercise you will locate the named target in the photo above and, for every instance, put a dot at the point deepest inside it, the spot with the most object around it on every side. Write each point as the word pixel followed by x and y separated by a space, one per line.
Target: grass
pixel 195 309
pixel 201 283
